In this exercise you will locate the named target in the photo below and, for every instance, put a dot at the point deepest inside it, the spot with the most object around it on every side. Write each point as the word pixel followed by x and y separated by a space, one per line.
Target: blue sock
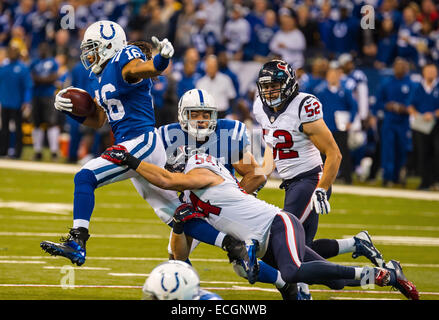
pixel 267 274
pixel 201 230
pixel 84 198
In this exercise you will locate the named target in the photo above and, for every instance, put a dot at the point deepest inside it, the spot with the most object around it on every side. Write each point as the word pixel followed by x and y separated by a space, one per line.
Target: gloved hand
pixel 119 155
pixel 185 212
pixel 164 47
pixel 320 201
pixel 63 104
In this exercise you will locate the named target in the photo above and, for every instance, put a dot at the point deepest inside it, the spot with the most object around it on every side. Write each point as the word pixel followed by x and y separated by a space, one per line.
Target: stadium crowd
pixel 372 64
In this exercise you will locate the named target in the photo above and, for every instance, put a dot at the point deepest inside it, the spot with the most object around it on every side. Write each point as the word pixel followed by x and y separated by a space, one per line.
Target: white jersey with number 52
pixel 293 151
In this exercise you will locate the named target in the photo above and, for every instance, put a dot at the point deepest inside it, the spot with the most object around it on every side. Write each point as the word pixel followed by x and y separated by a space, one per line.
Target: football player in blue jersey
pixel 175 280
pixel 120 79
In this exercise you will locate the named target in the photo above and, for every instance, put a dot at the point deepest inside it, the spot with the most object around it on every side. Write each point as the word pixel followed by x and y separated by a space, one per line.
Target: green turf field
pixel 128 240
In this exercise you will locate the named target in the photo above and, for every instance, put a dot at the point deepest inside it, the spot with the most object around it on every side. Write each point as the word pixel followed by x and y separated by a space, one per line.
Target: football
pixel 83 104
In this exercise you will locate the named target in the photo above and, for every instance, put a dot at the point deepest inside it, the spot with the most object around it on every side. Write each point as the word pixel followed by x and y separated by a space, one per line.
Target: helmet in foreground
pixel 172 280
pixel 102 40
pixel 197 100
pixel 276 83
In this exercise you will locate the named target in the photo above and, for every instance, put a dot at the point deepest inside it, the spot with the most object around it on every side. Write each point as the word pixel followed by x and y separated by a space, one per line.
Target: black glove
pixel 119 155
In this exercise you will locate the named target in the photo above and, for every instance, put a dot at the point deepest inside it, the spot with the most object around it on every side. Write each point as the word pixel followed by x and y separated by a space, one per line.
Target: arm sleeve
pixel 310 109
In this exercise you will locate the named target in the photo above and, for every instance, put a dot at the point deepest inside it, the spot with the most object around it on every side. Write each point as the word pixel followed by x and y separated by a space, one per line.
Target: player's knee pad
pixel 85 181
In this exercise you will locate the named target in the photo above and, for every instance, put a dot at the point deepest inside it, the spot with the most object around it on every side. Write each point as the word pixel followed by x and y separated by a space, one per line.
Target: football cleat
pixel 303 292
pixel 364 247
pixel 72 247
pixel 404 286
pixel 249 262
pixel 235 248
pixel 289 291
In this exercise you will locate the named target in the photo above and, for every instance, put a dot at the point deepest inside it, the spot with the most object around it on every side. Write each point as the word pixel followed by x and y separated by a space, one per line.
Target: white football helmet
pixel 101 39
pixel 172 280
pixel 197 100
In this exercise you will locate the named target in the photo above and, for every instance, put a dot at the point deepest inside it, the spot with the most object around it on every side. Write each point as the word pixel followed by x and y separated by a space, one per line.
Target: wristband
pixel 132 162
pixel 76 118
pixel 178 227
pixel 160 63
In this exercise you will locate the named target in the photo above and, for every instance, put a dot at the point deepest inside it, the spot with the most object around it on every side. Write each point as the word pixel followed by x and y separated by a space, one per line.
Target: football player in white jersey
pixel 274 235
pixel 295 132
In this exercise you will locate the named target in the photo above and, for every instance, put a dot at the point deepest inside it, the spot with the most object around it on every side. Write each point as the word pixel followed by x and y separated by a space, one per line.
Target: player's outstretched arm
pixel 322 138
pixel 195 179
pixel 139 69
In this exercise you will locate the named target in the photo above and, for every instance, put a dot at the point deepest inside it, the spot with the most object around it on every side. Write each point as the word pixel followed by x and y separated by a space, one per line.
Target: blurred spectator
pixel 138 23
pixel 185 23
pixel 236 33
pixel 424 108
pixel 242 108
pixel 289 42
pixel 187 75
pixel 41 22
pixel 169 8
pixel 259 47
pixel 18 40
pixel 355 80
pixel 158 90
pixel 388 10
pixel 203 37
pixel 45 73
pixel 219 85
pixel 339 111
pixel 215 10
pixel 344 33
pixel 407 35
pixel 155 26
pixel 318 75
pixel 429 11
pixel 15 98
pixel 387 47
pixel 392 99
pixel 79 79
pixel 4 25
pixel 310 30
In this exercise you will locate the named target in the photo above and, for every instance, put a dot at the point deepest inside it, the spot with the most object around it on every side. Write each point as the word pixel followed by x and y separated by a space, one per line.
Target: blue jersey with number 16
pixel 128 106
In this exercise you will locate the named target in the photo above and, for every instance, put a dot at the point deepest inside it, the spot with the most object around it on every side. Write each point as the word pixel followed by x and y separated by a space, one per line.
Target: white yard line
pixel 233 288
pixel 348 263
pixel 115 236
pixel 272 183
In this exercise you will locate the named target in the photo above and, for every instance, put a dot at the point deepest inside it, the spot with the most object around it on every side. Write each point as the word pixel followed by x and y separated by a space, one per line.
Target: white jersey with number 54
pixel 293 151
pixel 229 208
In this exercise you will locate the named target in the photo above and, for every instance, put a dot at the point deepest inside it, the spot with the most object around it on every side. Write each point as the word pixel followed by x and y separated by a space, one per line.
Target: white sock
pixel 38 138
pixel 53 137
pixel 358 272
pixel 219 239
pixel 280 283
pixel 80 223
pixel 346 245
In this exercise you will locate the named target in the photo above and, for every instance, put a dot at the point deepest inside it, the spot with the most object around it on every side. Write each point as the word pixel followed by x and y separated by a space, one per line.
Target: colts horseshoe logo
pixel 176 285
pixel 104 36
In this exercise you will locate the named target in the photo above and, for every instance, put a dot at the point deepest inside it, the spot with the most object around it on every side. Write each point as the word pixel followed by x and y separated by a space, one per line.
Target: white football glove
pixel 320 201
pixel 63 104
pixel 164 47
